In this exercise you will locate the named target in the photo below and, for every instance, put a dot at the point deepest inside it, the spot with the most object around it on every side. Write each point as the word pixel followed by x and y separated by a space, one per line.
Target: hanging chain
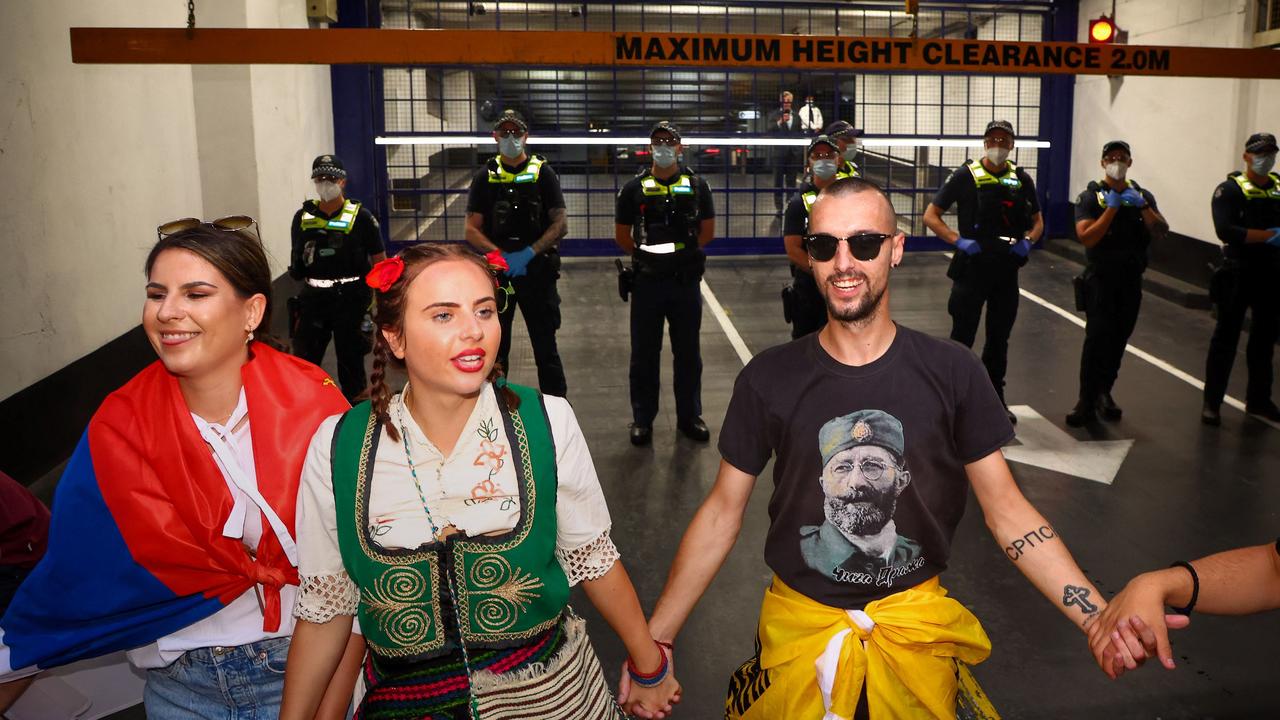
pixel 191 15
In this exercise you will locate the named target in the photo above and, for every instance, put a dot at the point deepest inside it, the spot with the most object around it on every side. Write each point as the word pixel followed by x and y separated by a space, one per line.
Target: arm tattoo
pixel 551 236
pixel 1079 597
pixel 1020 546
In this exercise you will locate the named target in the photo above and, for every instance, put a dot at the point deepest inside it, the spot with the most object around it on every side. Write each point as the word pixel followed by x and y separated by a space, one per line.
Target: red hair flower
pixel 385 274
pixel 497 263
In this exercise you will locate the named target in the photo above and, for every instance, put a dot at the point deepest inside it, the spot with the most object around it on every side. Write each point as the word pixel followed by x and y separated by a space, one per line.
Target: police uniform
pixel 331 255
pixel 516 203
pixel 1112 289
pixel 1248 281
pixel 996 211
pixel 665 216
pixel 804 304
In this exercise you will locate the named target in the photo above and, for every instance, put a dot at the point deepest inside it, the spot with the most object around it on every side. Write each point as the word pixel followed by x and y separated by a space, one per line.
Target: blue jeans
pixel 236 683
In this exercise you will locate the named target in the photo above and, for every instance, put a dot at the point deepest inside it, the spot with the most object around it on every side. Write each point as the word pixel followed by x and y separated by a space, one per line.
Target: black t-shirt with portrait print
pixel 929 397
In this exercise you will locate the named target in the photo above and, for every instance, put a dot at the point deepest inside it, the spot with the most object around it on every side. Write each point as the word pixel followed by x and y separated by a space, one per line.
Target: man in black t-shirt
pixel 663 218
pixel 878 398
pixel 335 242
pixel 999 219
pixel 1115 221
pixel 515 206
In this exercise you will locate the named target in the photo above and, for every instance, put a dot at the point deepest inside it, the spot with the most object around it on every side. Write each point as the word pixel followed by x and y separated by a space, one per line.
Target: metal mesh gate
pixel 436 120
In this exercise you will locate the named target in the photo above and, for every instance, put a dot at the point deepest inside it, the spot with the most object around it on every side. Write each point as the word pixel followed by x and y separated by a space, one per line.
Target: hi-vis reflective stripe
pixel 343 223
pixel 982 177
pixel 809 199
pixel 1102 198
pixel 1253 192
pixel 850 169
pixel 529 175
pixel 682 186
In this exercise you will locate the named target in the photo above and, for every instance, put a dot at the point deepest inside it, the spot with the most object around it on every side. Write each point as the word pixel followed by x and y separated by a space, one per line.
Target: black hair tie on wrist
pixel 1195 588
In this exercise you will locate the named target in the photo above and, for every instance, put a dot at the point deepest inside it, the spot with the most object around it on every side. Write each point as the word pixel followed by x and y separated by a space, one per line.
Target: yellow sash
pixel 818 657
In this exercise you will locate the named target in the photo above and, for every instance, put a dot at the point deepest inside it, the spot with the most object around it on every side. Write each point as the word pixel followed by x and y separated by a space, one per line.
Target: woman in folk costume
pixel 452 519
pixel 172 532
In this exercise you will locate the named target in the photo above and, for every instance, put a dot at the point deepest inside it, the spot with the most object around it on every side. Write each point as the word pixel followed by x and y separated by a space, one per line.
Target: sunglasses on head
pixel 864 246
pixel 230 223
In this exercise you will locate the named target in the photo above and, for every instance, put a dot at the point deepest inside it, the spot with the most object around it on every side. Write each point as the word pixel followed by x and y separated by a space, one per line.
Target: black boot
pixel 1084 413
pixel 1107 406
pixel 1211 415
pixel 641 434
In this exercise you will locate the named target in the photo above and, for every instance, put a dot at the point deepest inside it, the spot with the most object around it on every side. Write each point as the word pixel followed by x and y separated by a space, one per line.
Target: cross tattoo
pixel 1072 595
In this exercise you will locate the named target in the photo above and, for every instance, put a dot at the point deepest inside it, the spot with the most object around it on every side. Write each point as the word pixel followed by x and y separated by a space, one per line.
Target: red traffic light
pixel 1102 31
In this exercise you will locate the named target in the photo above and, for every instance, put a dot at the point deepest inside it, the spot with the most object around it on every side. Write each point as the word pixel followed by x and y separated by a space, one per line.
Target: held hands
pixel 653 702
pixel 1134 627
pixel 1132 198
pixel 1114 199
pixel 1022 248
pixel 518 262
pixel 970 247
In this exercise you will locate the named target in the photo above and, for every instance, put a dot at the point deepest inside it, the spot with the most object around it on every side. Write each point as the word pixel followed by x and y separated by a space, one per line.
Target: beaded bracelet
pixel 654 678
pixel 1195 587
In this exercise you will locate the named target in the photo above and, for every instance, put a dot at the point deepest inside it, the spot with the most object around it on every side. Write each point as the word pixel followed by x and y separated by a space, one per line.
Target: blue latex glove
pixel 1022 248
pixel 1113 199
pixel 1274 240
pixel 518 262
pixel 1133 198
pixel 970 247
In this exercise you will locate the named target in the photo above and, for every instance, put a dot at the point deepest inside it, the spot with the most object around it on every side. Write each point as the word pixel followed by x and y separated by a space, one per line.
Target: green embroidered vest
pixel 508 588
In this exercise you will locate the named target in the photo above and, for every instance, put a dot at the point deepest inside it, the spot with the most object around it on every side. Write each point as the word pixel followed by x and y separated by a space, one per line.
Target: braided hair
pixel 389 312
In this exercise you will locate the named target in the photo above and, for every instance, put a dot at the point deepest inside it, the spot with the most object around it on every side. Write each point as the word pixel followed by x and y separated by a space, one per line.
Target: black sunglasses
pixel 864 246
pixel 230 223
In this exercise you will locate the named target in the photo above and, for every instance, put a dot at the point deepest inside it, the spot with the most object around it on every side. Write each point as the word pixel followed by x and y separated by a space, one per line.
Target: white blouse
pixel 474 488
pixel 240 622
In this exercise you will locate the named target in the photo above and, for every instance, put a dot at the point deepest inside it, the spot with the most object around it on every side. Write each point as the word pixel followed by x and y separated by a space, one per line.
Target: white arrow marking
pixel 1044 445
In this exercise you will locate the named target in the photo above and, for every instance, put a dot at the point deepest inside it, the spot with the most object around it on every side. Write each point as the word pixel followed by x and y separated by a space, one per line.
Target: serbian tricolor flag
pixel 136 550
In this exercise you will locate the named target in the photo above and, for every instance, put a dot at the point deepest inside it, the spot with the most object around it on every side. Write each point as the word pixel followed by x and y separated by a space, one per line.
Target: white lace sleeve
pixel 323 596
pixel 589 561
pixel 324 589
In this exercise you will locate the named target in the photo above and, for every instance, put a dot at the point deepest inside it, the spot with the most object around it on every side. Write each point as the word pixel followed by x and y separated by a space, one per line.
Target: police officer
pixel 846 136
pixel 803 304
pixel 1116 220
pixel 999 220
pixel 515 205
pixel 664 217
pixel 1246 216
pixel 335 242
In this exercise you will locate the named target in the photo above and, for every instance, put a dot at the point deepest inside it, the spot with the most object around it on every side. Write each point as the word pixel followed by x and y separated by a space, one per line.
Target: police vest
pixel 342 222
pixel 504 590
pixel 515 220
pixel 849 169
pixel 1002 211
pixel 808 198
pixel 1124 245
pixel 1262 205
pixel 670 225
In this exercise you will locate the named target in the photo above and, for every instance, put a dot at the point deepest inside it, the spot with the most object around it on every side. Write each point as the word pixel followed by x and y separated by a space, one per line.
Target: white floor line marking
pixel 1143 355
pixel 722 317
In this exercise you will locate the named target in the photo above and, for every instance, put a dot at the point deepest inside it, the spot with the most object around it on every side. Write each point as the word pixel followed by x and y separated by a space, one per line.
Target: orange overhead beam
pixel 618 49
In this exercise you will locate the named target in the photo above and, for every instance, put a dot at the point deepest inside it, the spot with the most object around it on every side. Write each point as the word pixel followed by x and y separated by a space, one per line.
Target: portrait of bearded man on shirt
pixel 863 473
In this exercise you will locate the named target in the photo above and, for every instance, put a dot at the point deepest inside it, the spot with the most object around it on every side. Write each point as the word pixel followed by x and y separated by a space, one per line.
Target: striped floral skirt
pixel 555 676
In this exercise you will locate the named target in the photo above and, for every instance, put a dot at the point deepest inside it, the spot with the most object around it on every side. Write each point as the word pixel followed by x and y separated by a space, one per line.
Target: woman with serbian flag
pixel 173 524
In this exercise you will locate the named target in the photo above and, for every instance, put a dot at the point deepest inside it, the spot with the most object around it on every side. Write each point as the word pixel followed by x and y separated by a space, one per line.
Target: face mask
pixel 664 157
pixel 850 152
pixel 824 169
pixel 1116 170
pixel 1262 164
pixel 997 155
pixel 510 147
pixel 328 191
